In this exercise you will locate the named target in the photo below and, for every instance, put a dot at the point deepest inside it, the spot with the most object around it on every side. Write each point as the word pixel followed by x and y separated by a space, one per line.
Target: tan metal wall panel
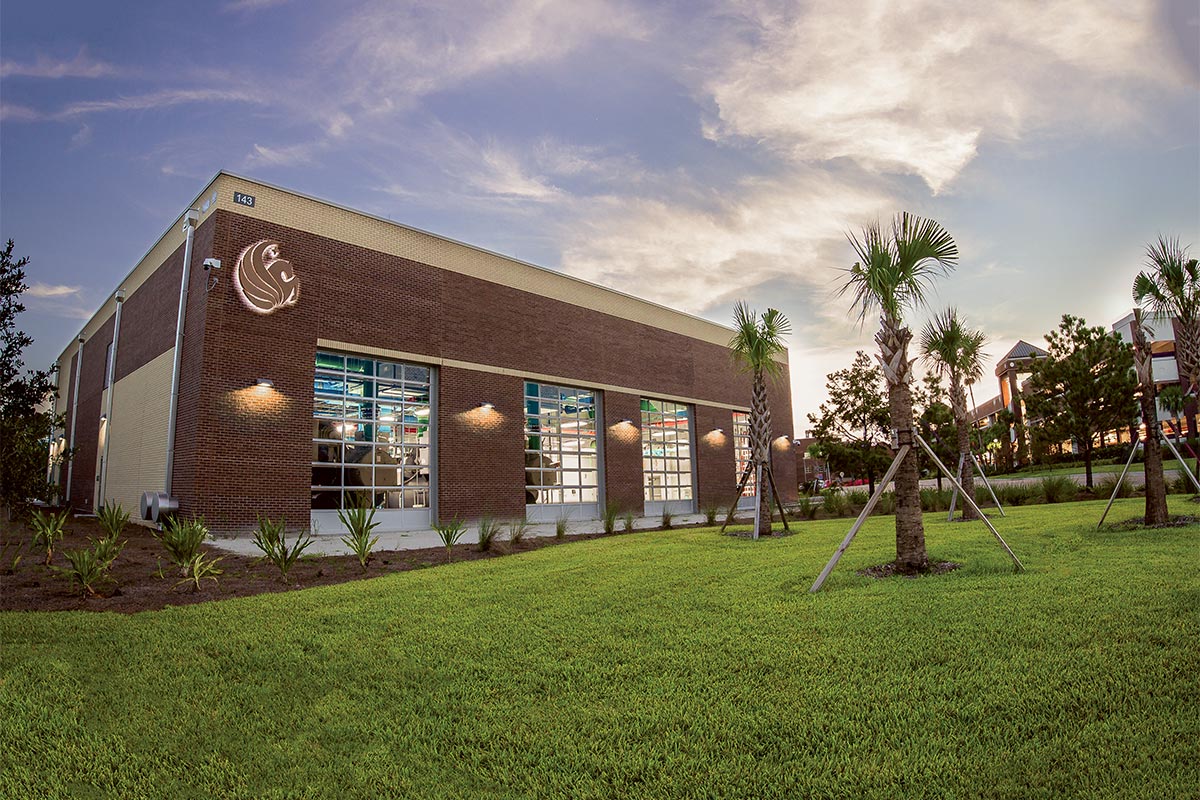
pixel 137 449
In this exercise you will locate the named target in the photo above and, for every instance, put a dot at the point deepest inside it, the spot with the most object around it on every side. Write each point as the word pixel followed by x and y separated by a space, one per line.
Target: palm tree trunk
pixel 760 448
pixel 962 425
pixel 1156 486
pixel 893 339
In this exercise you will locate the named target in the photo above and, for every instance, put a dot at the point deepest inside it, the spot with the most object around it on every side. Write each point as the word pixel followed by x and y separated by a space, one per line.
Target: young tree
pixel 755 345
pixel 1156 486
pixel 891 277
pixel 1085 386
pixel 852 427
pixel 23 431
pixel 955 352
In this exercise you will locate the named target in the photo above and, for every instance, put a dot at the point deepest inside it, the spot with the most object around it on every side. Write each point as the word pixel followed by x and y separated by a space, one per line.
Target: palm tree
pixel 1156 486
pixel 755 344
pixel 955 352
pixel 892 274
pixel 1171 289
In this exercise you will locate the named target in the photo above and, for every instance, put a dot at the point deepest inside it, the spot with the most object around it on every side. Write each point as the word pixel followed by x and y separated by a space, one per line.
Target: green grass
pixel 669 664
pixel 1169 465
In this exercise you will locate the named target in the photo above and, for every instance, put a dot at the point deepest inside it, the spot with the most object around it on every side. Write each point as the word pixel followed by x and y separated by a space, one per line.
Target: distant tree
pixel 893 273
pixel 1084 387
pixel 24 433
pixel 755 344
pixel 851 430
pixel 955 352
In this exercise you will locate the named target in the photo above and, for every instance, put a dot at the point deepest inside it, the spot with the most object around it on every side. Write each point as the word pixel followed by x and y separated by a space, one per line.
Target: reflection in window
pixel 741 451
pixel 371 438
pixel 561 463
pixel 666 450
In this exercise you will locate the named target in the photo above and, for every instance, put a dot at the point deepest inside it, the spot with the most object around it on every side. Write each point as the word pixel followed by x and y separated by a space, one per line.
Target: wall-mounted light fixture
pixel 718 430
pixel 267 382
pixel 625 421
pixel 103 418
pixel 486 406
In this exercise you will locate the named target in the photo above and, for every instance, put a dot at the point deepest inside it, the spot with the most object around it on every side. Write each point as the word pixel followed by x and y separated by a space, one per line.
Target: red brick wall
pixel 367 298
pixel 87 429
pixel 623 451
pixel 480 452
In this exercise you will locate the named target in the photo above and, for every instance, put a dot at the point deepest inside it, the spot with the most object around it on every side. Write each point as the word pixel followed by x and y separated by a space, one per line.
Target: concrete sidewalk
pixel 328 543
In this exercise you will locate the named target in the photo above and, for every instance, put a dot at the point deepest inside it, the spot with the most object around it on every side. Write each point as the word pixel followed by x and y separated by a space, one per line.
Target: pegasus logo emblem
pixel 263 280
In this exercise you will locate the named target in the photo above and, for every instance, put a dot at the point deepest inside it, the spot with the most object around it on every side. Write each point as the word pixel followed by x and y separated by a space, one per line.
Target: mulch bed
pixel 888 570
pixel 33 586
pixel 1139 523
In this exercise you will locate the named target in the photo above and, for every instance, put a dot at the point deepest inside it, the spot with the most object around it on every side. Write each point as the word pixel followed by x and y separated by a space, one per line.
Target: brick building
pixel 337 358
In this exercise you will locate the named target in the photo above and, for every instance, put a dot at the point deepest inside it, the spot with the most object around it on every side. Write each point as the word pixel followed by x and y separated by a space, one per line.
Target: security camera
pixel 212 263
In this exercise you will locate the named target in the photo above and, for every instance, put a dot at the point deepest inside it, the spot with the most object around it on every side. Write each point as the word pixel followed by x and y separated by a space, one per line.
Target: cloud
pixel 47 290
pixel 287 155
pixel 81 66
pixel 400 52
pixel 154 100
pixel 915 88
pixel 81 138
pixel 250 6
pixel 14 113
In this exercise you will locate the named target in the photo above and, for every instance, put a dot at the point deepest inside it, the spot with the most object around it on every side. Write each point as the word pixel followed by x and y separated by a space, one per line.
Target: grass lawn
pixel 672 664
pixel 1137 468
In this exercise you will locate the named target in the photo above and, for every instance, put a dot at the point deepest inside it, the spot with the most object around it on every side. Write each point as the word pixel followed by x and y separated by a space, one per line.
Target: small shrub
pixel 518 529
pixel 47 530
pixel 807 508
pixel 10 556
pixel 202 568
pixel 627 521
pixel 835 503
pixel 85 570
pixel 489 529
pixel 886 504
pixel 450 532
pixel 182 539
pixel 1016 494
pixel 857 498
pixel 271 539
pixel 107 549
pixel 359 521
pixel 610 517
pixel 667 519
pixel 934 500
pixel 112 519
pixel 1108 483
pixel 710 514
pixel 1182 484
pixel 1058 488
pixel 560 526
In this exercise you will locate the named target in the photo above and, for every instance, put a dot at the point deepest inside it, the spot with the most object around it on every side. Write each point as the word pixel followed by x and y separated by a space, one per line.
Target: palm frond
pixel 894 272
pixel 758 341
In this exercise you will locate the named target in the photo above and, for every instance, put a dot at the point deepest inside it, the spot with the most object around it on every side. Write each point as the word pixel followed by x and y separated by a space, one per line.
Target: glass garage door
pixel 562 453
pixel 372 440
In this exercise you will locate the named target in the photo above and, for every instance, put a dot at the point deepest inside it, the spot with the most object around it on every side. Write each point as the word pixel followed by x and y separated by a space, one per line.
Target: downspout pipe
pixel 189 229
pixel 74 418
pixel 110 379
pixel 50 442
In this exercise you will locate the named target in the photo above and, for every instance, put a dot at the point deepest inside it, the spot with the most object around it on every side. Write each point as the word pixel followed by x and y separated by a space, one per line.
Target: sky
pixel 694 154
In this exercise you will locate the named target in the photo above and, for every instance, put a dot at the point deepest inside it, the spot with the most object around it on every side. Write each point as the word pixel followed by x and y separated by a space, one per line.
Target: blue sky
pixel 691 153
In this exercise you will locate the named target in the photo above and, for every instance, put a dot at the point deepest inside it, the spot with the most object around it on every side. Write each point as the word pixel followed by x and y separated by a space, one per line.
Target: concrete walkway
pixel 330 544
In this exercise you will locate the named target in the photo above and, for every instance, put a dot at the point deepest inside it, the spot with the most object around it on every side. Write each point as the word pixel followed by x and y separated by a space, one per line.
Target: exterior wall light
pixel 103 418
pixel 486 406
pixel 625 422
pixel 719 430
pixel 267 382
